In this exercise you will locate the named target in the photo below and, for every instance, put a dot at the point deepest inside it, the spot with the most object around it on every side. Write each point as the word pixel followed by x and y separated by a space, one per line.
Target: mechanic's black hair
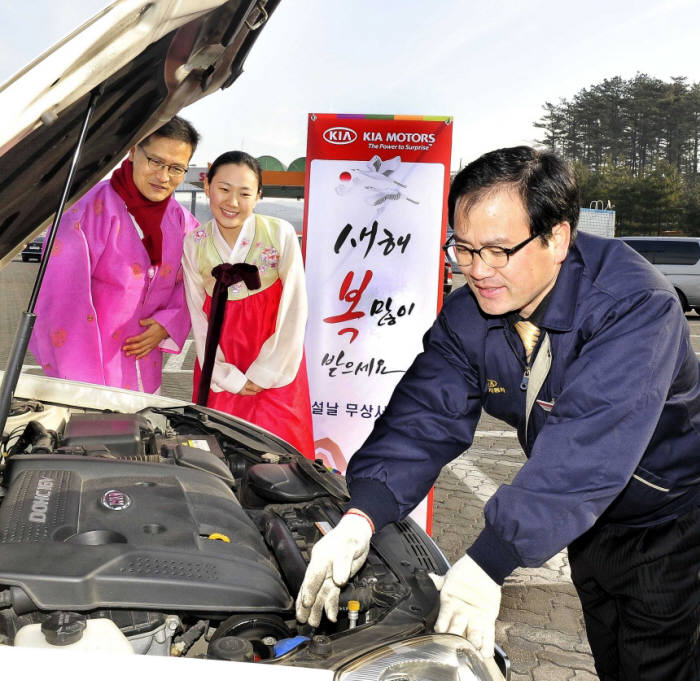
pixel 176 129
pixel 238 158
pixel 545 182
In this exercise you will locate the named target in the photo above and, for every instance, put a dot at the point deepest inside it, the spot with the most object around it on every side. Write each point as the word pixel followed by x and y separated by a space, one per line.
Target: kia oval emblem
pixel 340 135
pixel 114 500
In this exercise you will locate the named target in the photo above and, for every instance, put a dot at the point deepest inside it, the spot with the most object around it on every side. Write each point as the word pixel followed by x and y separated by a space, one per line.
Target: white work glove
pixel 334 559
pixel 469 604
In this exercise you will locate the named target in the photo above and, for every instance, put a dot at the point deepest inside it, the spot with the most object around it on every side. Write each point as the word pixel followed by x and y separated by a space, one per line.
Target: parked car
pixel 32 251
pixel 455 266
pixel 447 278
pixel 678 258
pixel 136 523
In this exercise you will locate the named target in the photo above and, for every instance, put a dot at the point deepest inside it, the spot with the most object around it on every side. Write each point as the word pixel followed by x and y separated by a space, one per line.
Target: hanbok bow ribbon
pixel 226 275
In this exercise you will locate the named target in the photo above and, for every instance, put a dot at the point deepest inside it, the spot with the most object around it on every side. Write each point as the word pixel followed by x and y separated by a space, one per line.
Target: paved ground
pixel 540 624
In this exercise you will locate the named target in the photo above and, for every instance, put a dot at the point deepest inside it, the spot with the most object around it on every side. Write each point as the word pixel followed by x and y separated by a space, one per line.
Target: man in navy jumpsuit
pixel 582 346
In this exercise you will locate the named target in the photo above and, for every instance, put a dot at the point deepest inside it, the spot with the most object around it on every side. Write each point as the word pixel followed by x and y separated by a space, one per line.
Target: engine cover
pixel 79 533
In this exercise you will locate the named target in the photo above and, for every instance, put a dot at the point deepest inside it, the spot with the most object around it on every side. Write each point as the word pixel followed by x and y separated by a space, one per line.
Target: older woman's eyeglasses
pixel 493 256
pixel 175 171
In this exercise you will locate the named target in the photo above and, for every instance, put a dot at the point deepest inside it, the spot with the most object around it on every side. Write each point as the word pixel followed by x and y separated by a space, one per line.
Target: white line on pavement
pixel 495 433
pixel 173 364
pixel 483 488
pixel 478 483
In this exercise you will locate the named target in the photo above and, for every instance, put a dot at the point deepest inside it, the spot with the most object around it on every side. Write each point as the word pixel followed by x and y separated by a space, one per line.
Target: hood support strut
pixel 24 331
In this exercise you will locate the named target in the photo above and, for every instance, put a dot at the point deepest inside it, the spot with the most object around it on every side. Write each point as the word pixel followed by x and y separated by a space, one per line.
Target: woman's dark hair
pixel 239 158
pixel 544 181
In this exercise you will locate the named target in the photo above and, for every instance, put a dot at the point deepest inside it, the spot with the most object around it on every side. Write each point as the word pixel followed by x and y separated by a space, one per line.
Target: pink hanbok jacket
pixel 99 283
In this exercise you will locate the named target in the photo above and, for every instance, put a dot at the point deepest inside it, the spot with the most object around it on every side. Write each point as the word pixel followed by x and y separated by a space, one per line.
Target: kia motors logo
pixel 340 135
pixel 115 500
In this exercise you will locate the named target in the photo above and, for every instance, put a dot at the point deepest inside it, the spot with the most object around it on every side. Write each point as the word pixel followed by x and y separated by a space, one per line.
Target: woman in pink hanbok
pixel 244 280
pixel 113 300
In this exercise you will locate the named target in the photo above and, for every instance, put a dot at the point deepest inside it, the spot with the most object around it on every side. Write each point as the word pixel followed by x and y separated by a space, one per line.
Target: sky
pixel 490 65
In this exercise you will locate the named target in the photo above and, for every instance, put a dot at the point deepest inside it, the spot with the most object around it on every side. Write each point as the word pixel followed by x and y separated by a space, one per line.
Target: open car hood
pixel 149 59
pixel 165 529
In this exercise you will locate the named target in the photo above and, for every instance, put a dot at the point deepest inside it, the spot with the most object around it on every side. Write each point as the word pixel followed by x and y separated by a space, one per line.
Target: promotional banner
pixel 374 220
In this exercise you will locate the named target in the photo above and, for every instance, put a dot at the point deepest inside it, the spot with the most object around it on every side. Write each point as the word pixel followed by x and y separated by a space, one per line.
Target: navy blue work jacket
pixel 614 436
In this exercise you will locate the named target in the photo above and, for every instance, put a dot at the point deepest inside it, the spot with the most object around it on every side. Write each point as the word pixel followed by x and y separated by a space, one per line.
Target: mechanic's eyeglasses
pixel 493 256
pixel 174 171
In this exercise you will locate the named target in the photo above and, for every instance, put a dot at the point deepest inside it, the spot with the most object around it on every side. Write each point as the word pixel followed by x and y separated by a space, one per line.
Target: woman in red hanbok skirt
pixel 244 279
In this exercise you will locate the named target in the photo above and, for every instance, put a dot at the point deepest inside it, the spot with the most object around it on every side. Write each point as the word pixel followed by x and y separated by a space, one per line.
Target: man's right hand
pixel 334 559
pixel 139 346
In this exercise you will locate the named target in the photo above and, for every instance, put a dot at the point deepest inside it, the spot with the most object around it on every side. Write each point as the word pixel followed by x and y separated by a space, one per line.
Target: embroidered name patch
pixel 493 386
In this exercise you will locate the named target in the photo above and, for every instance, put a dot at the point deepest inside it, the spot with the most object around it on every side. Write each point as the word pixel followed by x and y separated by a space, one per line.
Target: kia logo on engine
pixel 115 500
pixel 340 135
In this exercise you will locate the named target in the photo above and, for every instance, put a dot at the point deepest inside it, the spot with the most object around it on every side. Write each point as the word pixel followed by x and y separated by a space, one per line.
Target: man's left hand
pixel 139 346
pixel 469 604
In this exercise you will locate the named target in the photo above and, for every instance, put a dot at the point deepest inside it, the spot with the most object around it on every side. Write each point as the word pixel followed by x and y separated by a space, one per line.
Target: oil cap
pixel 63 628
pixel 321 646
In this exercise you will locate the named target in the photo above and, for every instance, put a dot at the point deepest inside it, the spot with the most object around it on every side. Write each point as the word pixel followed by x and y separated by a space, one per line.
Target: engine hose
pixel 36 436
pixel 181 644
pixel 279 538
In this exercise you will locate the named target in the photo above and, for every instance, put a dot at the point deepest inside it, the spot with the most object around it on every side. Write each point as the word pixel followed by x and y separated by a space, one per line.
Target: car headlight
pixel 437 657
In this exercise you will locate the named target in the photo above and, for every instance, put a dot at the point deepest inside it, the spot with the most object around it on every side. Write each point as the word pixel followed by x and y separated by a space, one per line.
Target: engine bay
pixel 189 531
